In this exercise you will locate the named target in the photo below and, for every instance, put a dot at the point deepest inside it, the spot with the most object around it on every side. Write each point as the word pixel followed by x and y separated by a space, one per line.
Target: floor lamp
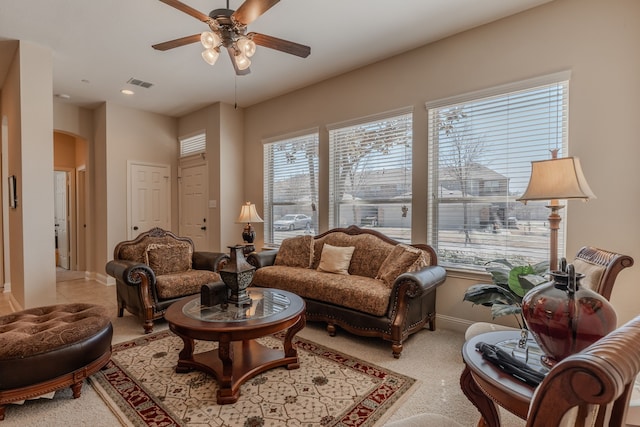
pixel 554 180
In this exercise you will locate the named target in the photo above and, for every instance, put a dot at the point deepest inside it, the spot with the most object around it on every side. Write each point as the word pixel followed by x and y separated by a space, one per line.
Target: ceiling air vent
pixel 138 82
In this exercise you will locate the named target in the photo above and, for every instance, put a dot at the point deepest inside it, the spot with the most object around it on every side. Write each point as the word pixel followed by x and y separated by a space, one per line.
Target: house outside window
pixel 370 165
pixel 480 150
pixel 290 186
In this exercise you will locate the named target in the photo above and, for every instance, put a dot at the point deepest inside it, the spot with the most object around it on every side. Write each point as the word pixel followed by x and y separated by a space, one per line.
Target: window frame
pixel 273 237
pixel 434 225
pixel 371 211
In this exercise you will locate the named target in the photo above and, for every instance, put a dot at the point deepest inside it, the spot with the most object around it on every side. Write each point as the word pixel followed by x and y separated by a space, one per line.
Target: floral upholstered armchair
pixel 156 269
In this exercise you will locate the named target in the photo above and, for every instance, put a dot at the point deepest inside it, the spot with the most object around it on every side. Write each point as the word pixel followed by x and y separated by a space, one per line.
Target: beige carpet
pixel 433 358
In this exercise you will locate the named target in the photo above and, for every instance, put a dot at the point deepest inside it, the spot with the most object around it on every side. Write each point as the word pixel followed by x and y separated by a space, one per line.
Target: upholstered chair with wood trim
pixel 158 268
pixel 589 388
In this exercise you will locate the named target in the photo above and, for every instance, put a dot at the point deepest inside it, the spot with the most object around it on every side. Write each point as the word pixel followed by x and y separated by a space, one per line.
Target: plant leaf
pixel 499 274
pixel 498 310
pixel 489 294
pixel 530 281
pixel 514 278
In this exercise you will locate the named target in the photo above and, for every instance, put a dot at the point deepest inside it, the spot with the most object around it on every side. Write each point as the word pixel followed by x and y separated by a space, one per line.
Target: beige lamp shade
pixel 248 214
pixel 557 179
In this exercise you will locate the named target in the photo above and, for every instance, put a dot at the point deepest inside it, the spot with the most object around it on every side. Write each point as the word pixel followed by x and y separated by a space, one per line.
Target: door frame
pixel 71 215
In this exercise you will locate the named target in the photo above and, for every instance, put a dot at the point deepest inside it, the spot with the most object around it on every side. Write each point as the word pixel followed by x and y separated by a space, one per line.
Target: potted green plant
pixel 510 284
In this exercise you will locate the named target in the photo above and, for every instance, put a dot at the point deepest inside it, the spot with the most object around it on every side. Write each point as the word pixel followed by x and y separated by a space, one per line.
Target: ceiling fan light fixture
pixel 246 46
pixel 210 55
pixel 242 62
pixel 210 39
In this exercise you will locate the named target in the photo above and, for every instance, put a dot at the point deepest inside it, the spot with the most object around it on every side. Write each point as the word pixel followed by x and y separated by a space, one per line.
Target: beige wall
pixel 138 136
pixel 595 39
pixel 26 101
pixel 223 125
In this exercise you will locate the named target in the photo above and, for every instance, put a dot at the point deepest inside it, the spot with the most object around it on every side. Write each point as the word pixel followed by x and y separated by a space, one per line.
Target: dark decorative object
pixel 237 275
pixel 214 294
pixel 565 318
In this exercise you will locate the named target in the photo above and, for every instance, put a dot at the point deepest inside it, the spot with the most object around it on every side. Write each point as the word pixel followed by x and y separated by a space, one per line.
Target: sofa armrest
pixel 212 261
pixel 416 283
pixel 130 272
pixel 262 259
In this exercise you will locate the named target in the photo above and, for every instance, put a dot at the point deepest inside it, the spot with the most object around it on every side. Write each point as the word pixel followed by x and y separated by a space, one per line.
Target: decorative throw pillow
pixel 401 259
pixel 295 252
pixel 336 259
pixel 167 258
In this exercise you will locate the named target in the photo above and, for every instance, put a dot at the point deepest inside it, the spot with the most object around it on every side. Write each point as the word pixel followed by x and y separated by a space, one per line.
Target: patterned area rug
pixel 329 388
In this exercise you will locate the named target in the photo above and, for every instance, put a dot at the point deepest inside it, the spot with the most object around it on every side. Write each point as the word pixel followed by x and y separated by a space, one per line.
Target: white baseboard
pixel 452 323
pixel 102 278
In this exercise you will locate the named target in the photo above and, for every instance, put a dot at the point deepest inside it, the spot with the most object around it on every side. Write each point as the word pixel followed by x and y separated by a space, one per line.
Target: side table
pixel 487 386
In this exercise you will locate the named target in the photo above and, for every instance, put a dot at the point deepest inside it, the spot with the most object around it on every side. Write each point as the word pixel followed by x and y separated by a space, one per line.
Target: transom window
pixel 480 151
pixel 370 173
pixel 290 186
pixel 193 144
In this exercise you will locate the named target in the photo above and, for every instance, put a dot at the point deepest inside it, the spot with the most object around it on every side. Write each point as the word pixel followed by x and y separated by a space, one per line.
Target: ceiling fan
pixel 228 29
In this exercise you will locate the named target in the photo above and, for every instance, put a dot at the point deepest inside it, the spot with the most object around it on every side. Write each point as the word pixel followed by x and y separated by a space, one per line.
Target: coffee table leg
pixel 185 356
pixel 290 348
pixel 225 353
pixel 489 412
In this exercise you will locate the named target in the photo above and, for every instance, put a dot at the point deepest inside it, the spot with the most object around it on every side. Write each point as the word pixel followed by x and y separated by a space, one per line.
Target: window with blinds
pixel 480 152
pixel 370 174
pixel 194 144
pixel 290 187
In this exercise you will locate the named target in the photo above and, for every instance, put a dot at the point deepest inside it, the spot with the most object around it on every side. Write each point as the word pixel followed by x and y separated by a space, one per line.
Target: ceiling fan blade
pixel 233 62
pixel 187 9
pixel 280 44
pixel 251 9
pixel 177 42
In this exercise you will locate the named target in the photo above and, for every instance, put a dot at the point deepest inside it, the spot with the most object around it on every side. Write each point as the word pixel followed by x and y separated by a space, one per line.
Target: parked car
pixel 292 222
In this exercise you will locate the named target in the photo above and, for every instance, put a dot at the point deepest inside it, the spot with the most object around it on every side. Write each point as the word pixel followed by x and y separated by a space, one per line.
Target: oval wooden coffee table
pixel 239 356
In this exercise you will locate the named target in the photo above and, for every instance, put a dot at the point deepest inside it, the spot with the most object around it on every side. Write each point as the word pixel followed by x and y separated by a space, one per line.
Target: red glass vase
pixel 565 318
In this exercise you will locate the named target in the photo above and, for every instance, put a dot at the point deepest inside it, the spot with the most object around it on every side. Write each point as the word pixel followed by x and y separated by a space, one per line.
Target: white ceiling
pixel 98 45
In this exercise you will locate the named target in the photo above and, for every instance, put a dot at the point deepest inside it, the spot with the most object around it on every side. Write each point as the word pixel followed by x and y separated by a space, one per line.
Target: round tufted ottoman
pixel 48 348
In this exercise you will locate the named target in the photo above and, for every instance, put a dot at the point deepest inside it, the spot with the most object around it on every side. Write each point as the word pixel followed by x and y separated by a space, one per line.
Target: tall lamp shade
pixel 248 214
pixel 553 180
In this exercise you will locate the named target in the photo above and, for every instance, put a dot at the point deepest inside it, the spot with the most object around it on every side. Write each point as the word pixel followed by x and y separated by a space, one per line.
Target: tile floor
pixel 72 288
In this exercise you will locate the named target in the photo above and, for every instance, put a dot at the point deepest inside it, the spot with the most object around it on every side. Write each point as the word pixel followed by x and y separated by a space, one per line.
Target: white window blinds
pixel 370 173
pixel 480 152
pixel 290 187
pixel 193 144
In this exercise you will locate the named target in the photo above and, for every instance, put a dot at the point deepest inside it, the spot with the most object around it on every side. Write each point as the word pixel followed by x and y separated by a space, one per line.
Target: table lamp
pixel 555 179
pixel 248 214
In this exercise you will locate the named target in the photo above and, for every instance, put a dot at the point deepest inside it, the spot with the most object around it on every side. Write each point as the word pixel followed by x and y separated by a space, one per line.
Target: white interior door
pixel 193 204
pixel 149 196
pixel 61 217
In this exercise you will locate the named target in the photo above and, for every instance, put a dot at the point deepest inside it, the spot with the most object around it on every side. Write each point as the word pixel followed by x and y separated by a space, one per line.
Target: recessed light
pixel 127 92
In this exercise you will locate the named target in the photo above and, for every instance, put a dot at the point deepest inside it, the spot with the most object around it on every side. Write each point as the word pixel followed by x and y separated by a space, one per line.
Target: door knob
pixel 135 227
pixel 203 228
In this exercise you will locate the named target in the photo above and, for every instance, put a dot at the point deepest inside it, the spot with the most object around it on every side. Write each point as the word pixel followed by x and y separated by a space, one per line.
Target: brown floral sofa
pixel 158 268
pixel 358 279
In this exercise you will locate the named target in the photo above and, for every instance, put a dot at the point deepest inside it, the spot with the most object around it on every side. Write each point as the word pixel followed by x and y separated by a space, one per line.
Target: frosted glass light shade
pixel 246 46
pixel 210 55
pixel 210 39
pixel 242 62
